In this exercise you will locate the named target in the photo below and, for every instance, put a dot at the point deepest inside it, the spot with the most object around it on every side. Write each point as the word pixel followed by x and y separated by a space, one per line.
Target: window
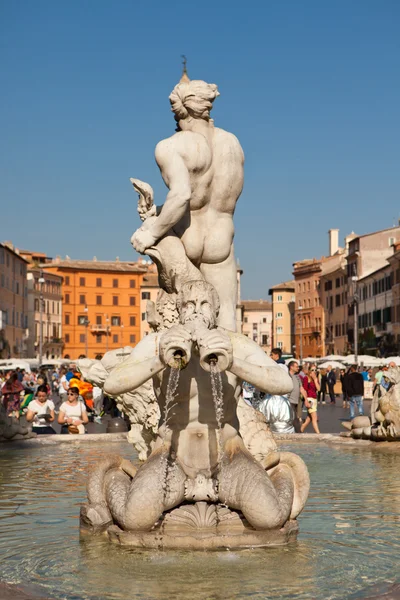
pixel 99 300
pixel 246 320
pixel 116 321
pixel 98 339
pixel 67 338
pixel 81 320
pixel 264 319
pixel 337 282
pixel 132 283
pixel 279 330
pixel 82 281
pixel 264 340
pixel 82 299
pixel 99 282
pixel 115 300
pixel 82 338
pixel 132 339
pixel 280 344
pixel 66 300
pixel 67 280
pixel 391 241
pixel 98 320
pixel 115 283
pixel 37 304
pixel 115 338
pixel 132 301
pixel 279 315
pixel 132 321
pixel 67 319
pixel 293 298
pixel 145 295
pixel 337 300
pixel 143 316
pixel 279 298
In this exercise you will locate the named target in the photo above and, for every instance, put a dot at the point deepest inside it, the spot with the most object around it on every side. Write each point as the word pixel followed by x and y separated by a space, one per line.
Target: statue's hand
pixel 215 339
pixel 142 239
pixel 176 339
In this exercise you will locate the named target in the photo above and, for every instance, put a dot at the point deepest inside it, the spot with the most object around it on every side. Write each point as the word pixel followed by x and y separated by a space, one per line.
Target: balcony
pixel 100 329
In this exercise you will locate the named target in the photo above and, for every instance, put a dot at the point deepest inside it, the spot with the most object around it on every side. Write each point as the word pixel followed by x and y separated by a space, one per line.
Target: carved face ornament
pixel 198 306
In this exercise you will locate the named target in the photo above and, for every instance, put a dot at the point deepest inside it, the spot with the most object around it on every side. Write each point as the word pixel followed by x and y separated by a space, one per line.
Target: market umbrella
pixel 333 363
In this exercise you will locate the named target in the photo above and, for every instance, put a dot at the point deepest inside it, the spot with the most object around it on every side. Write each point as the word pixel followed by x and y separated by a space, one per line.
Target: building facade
pixel 13 303
pixel 283 310
pixel 101 305
pixel 257 322
pixel 394 261
pixel 44 313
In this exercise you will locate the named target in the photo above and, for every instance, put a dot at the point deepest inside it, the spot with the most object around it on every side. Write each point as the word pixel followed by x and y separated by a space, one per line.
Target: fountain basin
pixel 348 545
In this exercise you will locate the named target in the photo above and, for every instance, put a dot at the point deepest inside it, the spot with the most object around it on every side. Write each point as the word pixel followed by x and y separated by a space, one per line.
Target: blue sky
pixel 310 88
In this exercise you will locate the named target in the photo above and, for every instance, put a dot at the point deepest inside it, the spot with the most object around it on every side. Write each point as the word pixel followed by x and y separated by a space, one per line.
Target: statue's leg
pixel 266 502
pixel 223 276
pixel 159 485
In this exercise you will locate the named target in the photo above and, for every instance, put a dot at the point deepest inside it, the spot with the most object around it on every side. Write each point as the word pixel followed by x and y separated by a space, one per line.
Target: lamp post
pixel 41 301
pixel 86 330
pixel 301 335
pixel 107 320
pixel 355 304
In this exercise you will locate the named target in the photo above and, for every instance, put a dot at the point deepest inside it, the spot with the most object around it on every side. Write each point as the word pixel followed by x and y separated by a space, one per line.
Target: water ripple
pixel 348 539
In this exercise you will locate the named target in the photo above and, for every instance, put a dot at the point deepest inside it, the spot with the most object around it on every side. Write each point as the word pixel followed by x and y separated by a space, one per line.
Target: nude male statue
pixel 202 166
pixel 209 463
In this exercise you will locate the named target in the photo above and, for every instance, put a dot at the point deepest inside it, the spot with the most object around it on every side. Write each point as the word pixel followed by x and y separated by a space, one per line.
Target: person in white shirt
pixel 41 412
pixel 73 412
pixel 63 385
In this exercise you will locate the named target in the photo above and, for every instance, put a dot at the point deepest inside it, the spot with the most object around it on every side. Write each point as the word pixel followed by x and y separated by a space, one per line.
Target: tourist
pixel 378 377
pixel 279 413
pixel 72 413
pixel 11 394
pixel 63 385
pixel 41 412
pixel 276 355
pixel 343 380
pixel 355 390
pixel 331 381
pixel 296 394
pixel 311 386
pixel 323 382
pixel 385 383
pixel 365 374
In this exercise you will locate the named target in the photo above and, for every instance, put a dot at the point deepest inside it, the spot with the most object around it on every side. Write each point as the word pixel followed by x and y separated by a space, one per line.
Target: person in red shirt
pixel 311 386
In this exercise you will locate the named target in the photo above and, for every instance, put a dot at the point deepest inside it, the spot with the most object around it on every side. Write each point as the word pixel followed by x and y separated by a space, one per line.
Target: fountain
pixel 207 481
pixel 383 425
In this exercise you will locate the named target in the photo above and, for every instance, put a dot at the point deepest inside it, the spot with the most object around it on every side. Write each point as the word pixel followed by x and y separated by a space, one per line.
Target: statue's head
pixel 198 301
pixel 192 100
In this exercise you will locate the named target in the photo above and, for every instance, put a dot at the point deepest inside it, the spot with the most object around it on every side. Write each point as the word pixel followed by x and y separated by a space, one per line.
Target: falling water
pixel 167 460
pixel 218 399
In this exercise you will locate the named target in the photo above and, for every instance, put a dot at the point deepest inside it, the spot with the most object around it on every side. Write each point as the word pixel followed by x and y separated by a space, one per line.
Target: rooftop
pixel 9 246
pixel 98 265
pixel 150 280
pixel 256 305
pixel 285 285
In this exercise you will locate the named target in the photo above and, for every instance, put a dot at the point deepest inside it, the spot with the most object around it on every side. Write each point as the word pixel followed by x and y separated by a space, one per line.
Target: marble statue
pixel 384 422
pixel 214 476
pixel 195 458
pixel 202 166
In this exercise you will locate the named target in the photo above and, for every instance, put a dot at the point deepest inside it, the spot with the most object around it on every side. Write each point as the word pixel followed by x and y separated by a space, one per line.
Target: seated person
pixel 41 412
pixel 73 415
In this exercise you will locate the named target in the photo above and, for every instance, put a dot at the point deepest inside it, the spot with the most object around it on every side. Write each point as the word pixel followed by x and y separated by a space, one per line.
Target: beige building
pixel 46 289
pixel 394 261
pixel 333 294
pixel 257 322
pixel 367 254
pixel 283 309
pixel 13 302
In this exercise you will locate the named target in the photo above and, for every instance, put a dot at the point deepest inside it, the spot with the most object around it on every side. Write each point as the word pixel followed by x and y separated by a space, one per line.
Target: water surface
pixel 348 542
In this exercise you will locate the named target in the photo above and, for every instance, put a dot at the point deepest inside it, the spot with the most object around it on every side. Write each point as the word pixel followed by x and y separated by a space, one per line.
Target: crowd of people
pixel 44 396
pixel 311 386
pixel 41 397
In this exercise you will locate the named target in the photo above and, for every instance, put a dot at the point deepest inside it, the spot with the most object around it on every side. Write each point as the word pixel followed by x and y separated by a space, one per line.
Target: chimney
pixel 333 241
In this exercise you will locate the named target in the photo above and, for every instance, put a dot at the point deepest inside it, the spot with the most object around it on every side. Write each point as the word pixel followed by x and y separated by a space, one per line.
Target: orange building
pixel 101 305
